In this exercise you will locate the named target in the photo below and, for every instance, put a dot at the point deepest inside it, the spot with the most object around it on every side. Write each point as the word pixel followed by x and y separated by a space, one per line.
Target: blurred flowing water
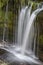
pixel 22 50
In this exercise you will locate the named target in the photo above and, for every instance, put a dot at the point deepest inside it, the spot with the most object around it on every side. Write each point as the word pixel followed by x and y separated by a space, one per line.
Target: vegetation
pixel 12 17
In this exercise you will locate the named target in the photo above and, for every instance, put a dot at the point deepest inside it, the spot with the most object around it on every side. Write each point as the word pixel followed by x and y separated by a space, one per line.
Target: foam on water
pixel 20 57
pixel 20 50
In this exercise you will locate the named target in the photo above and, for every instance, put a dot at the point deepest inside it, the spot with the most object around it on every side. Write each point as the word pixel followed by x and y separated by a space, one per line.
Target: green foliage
pixel 10 16
pixel 41 39
pixel 2 3
pixel 2 16
pixel 13 12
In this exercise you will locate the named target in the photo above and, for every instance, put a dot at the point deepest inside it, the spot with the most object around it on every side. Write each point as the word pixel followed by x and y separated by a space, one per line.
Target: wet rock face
pixel 3 63
pixel 38 0
pixel 19 63
pixel 2 52
pixel 39 20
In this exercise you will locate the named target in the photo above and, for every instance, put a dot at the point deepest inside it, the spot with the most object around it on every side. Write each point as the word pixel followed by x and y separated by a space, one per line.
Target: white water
pixel 26 20
pixel 27 31
pixel 20 25
pixel 27 37
pixel 20 57
pixel 26 34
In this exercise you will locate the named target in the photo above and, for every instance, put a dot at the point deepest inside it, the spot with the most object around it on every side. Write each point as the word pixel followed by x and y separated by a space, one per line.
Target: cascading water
pixel 20 25
pixel 28 29
pixel 26 19
pixel 25 44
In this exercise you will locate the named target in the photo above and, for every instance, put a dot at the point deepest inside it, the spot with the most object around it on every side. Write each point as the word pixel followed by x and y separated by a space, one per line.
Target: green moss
pixel 2 3
pixel 41 39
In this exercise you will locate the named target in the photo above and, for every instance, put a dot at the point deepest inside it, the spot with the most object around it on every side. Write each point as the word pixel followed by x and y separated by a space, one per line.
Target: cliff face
pixel 13 14
pixel 39 21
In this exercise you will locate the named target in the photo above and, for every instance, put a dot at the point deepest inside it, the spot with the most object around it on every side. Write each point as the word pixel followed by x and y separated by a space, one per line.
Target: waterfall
pixel 28 29
pixel 20 25
pixel 27 17
pixel 25 36
pixel 23 19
